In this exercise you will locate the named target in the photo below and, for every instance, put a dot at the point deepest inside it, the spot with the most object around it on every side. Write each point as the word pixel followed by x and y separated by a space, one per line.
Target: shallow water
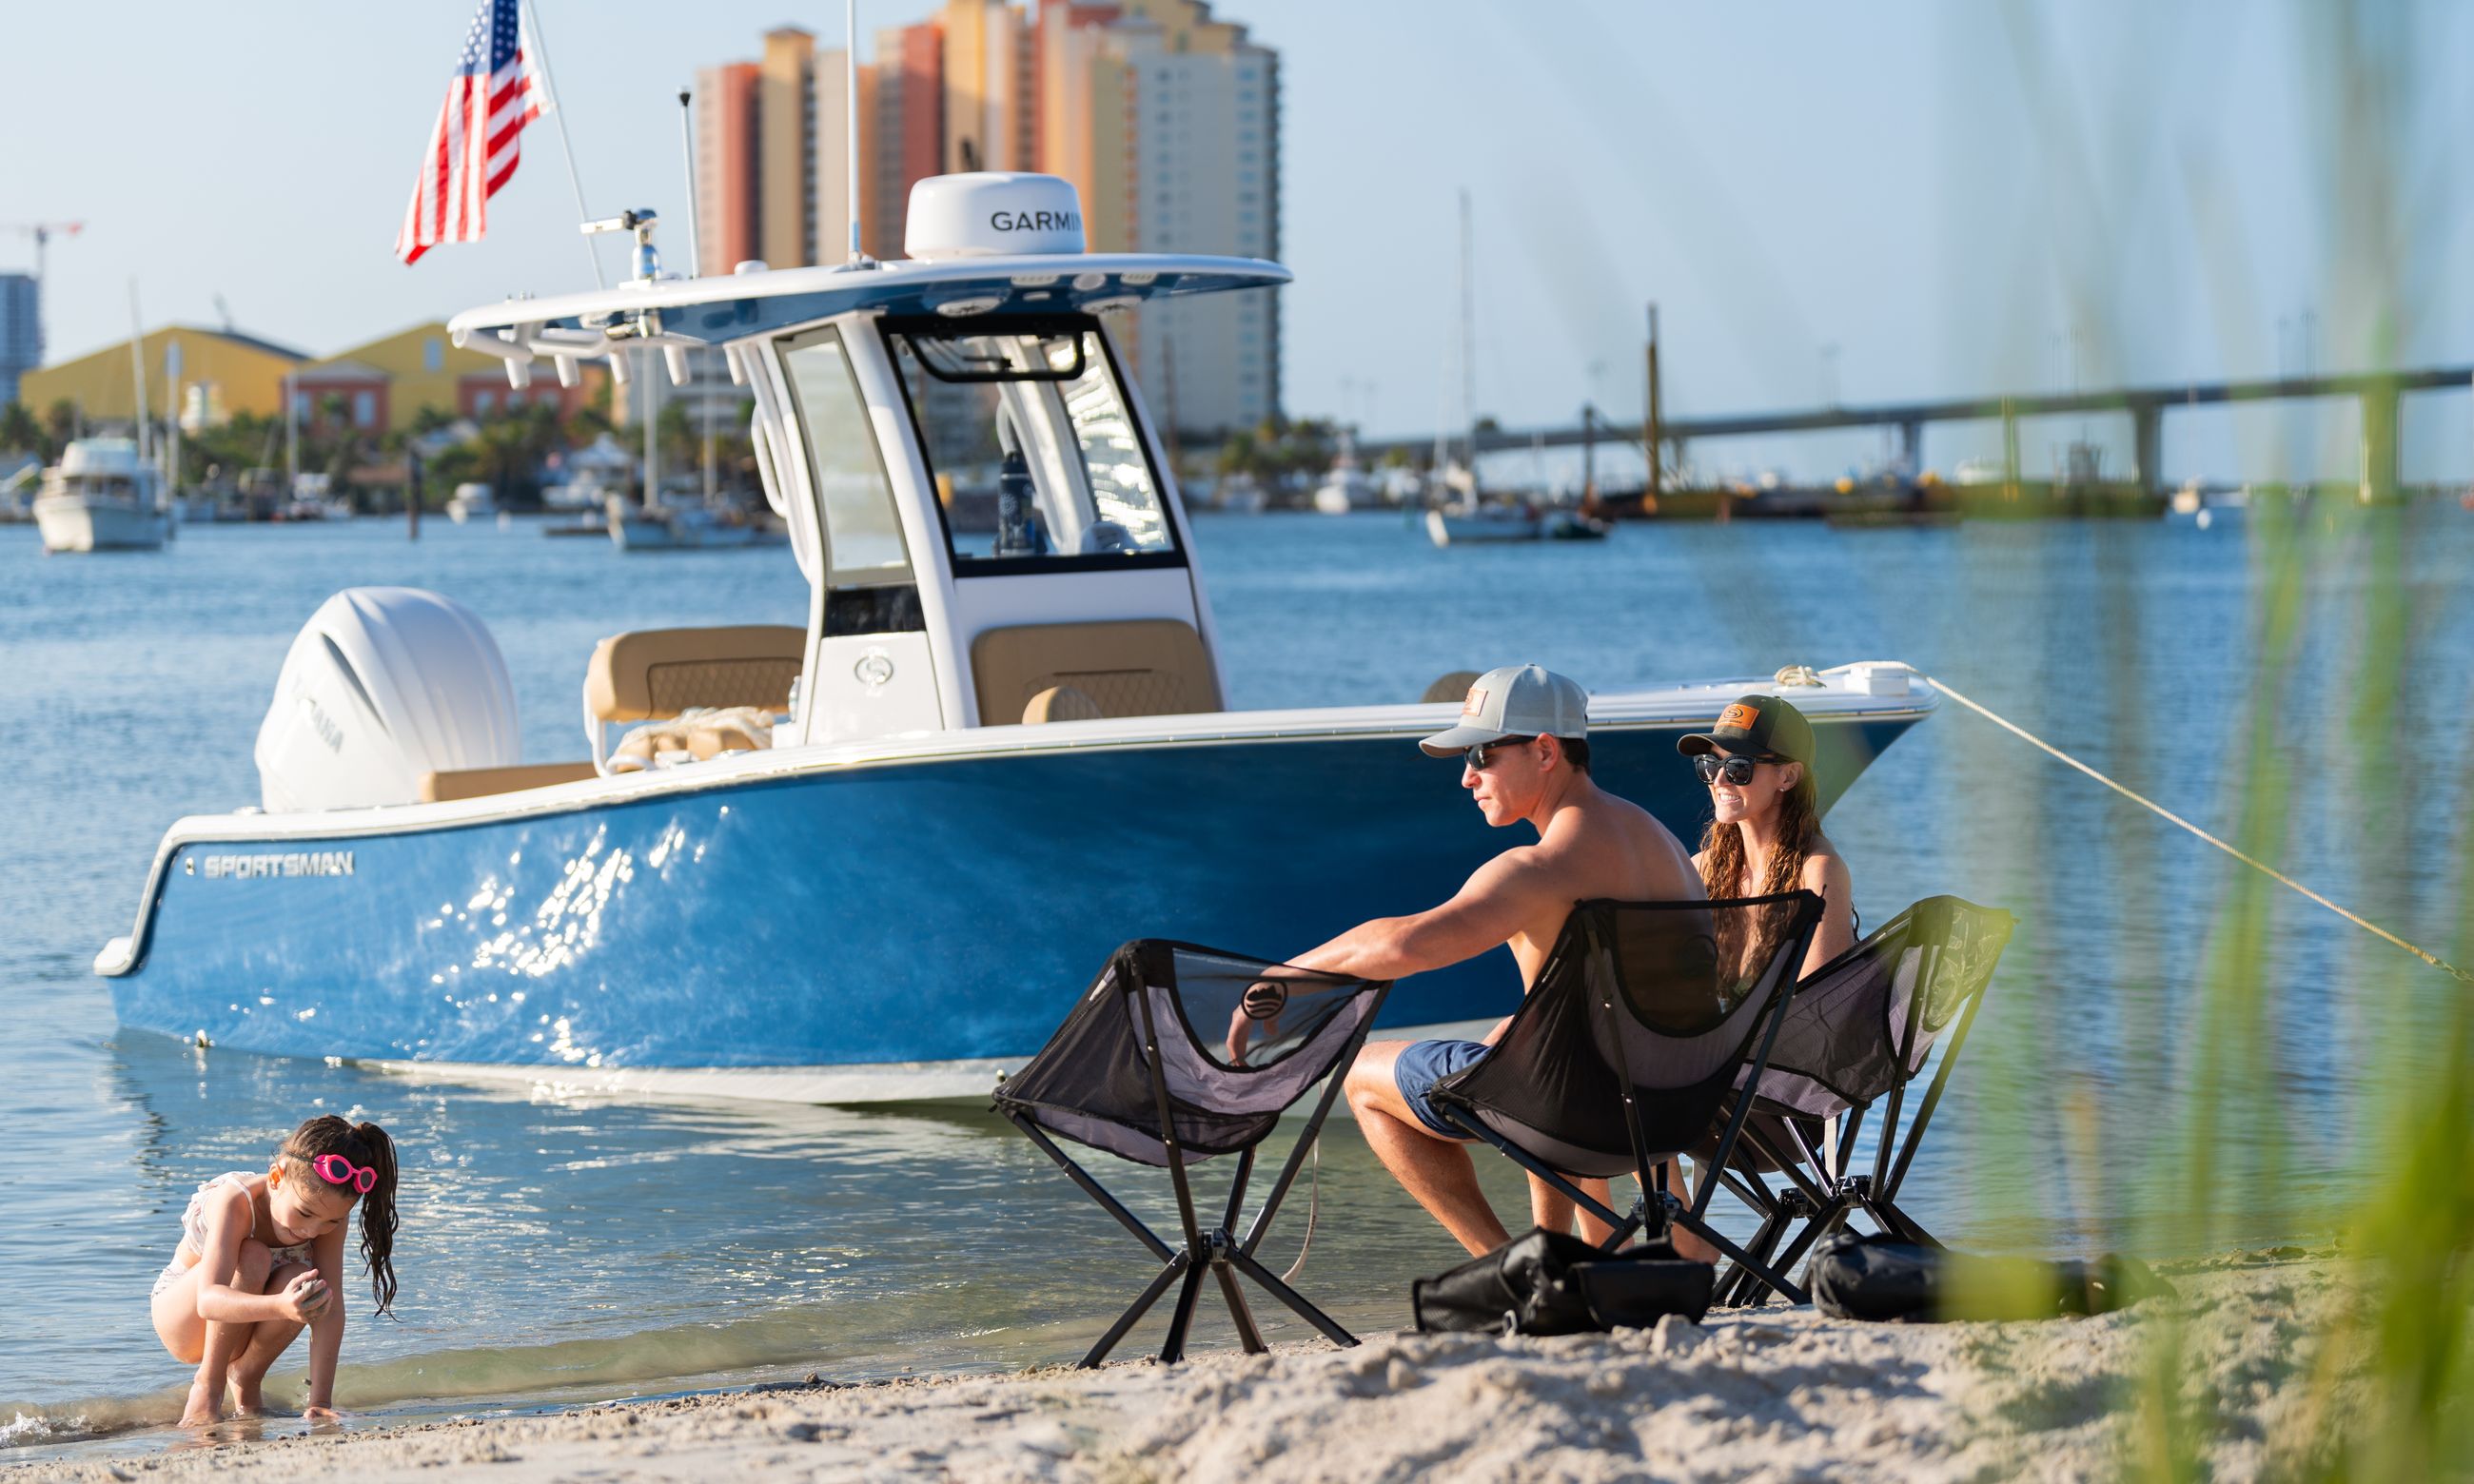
pixel 570 1249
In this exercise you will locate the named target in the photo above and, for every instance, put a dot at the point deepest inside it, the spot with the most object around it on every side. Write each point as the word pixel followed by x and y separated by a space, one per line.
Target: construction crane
pixel 42 233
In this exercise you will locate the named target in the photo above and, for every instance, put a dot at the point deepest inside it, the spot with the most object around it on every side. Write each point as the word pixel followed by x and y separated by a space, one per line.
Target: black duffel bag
pixel 1551 1283
pixel 1883 1278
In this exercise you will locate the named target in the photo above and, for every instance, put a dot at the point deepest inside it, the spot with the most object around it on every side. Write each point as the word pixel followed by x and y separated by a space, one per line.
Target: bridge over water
pixel 2382 394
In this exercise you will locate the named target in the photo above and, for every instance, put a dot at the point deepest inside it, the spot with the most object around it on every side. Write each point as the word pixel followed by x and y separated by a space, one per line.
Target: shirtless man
pixel 1523 744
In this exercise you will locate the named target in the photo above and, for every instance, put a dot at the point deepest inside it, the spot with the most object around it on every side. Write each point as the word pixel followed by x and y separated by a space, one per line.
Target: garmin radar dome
pixel 992 214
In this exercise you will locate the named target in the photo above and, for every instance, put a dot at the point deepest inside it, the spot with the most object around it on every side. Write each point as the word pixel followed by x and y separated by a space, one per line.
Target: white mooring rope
pixel 1313 1196
pixel 2253 862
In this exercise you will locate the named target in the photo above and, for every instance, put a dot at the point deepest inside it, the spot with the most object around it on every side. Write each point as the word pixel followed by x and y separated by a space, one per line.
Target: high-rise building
pixel 21 331
pixel 903 134
pixel 1184 153
pixel 771 175
pixel 1166 120
pixel 726 183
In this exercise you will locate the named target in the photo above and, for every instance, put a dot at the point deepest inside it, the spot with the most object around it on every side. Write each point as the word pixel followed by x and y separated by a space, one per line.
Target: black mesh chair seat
pixel 1857 1031
pixel 1177 1054
pixel 1623 1054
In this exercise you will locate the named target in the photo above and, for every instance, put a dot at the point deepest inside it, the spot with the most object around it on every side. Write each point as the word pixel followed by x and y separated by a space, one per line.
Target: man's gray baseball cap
pixel 1516 701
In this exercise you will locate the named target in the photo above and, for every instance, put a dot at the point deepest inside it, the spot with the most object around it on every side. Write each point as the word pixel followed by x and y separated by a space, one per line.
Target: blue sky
pixel 1898 199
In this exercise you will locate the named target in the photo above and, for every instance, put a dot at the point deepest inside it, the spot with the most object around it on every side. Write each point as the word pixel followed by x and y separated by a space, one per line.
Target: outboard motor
pixel 383 685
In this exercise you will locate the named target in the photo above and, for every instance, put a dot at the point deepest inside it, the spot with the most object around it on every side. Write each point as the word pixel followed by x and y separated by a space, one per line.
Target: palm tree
pixel 19 430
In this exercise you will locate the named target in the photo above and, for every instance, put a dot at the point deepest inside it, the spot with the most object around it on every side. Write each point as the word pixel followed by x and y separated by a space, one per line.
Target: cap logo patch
pixel 1475 702
pixel 1738 717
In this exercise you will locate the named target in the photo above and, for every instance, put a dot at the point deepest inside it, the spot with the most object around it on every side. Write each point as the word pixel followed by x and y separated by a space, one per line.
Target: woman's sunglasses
pixel 336 1170
pixel 1737 771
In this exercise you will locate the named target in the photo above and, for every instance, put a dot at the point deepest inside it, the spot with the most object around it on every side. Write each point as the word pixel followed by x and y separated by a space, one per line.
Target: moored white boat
pixel 997 746
pixel 102 496
pixel 473 502
pixel 1347 487
pixel 1466 524
pixel 696 527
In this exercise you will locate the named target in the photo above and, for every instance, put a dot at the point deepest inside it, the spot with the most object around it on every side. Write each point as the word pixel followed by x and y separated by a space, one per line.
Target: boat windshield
pixel 1038 461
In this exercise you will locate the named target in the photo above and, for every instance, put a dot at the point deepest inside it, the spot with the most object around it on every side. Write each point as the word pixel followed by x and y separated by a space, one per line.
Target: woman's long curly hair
pixel 364 1144
pixel 1722 873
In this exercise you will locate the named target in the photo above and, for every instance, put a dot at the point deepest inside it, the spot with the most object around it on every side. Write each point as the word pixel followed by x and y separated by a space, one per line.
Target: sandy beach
pixel 1770 1394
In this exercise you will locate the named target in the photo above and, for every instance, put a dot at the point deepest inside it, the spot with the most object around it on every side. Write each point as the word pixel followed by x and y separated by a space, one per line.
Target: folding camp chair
pixel 1857 1031
pixel 1624 1050
pixel 1177 1054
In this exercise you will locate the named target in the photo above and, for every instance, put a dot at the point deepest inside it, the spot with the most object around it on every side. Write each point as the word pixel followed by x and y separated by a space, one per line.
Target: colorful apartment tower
pixel 1166 120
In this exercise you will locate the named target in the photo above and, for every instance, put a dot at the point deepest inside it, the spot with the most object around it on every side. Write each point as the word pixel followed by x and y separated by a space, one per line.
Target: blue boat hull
pixel 914 913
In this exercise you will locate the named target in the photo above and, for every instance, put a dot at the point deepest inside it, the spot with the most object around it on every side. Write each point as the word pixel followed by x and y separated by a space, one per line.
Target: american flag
pixel 496 90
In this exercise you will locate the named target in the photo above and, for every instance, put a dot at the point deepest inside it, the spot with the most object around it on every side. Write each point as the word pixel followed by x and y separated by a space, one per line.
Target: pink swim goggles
pixel 336 1170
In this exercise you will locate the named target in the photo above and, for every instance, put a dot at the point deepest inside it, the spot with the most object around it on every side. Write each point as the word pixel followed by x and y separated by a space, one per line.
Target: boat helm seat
pixel 1127 667
pixel 652 674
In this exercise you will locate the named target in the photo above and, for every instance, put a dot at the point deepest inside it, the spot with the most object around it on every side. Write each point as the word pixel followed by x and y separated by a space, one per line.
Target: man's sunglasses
pixel 1476 757
pixel 1737 771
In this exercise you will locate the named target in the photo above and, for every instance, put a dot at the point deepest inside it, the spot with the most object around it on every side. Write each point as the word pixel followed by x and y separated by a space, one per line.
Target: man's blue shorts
pixel 1420 1065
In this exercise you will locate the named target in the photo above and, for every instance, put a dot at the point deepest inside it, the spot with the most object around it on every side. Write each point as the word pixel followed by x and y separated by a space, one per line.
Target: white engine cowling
pixel 382 686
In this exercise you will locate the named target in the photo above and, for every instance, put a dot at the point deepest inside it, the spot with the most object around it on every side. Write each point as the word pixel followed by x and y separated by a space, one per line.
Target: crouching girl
pixel 261 1256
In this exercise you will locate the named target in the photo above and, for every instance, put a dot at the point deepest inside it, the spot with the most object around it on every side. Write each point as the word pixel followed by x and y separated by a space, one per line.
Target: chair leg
pixel 1816 1228
pixel 1762 1271
pixel 1181 1319
pixel 1271 1285
pixel 1624 1226
pixel 1093 1188
pixel 1246 1334
pixel 1134 1313
pixel 1898 1221
pixel 1738 1276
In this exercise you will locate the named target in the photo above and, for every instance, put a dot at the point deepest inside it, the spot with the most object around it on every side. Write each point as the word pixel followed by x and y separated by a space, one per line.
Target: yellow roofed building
pixel 383 384
pixel 222 374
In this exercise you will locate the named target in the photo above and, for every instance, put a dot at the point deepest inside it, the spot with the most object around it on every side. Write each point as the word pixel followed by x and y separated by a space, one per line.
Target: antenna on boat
pixel 850 128
pixel 686 148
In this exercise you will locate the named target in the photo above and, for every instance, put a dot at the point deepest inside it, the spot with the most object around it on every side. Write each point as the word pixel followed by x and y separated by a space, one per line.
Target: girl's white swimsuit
pixel 193 1233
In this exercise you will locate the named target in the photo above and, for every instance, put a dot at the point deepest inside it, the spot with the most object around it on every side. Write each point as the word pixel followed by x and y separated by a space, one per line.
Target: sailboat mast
pixel 137 369
pixel 1468 338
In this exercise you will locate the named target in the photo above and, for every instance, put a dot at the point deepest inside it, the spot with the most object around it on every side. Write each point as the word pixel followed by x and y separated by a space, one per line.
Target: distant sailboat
pixel 1461 521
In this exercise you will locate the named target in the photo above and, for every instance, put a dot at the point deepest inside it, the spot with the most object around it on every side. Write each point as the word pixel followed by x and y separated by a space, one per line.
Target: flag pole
pixel 566 147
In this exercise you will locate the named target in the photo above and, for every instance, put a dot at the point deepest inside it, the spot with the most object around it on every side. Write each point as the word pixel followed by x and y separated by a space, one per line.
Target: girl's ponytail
pixel 378 1214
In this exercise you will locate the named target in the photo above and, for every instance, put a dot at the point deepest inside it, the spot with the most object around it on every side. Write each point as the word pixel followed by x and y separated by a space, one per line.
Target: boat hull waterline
pixel 75 523
pixel 882 932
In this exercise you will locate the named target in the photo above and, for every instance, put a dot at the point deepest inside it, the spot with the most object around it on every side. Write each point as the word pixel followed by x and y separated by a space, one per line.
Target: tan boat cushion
pixel 1131 667
pixel 1061 704
pixel 662 672
pixel 480 783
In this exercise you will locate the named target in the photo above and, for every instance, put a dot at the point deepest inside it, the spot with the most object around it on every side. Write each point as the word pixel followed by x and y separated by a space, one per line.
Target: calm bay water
pixel 559 1250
